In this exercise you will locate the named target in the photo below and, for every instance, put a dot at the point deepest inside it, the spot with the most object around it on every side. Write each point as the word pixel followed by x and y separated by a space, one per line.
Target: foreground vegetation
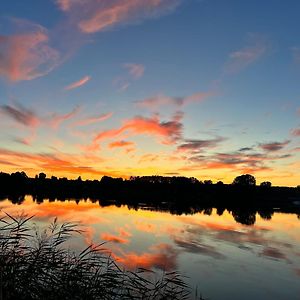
pixel 38 265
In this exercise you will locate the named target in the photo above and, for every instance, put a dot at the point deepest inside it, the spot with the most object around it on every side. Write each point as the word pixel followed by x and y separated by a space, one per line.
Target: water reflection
pixel 243 215
pixel 214 247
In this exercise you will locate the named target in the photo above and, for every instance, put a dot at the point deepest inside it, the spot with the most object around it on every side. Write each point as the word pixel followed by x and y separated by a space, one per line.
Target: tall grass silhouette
pixel 39 265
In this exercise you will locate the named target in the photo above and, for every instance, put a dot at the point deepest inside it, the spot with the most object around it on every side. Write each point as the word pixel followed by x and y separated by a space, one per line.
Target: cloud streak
pixel 21 115
pixel 161 100
pixel 274 146
pixel 135 70
pixel 93 119
pixel 242 58
pixel 195 146
pixel 78 83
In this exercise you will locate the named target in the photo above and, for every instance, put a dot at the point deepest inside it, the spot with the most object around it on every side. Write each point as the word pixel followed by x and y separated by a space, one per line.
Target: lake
pixel 222 258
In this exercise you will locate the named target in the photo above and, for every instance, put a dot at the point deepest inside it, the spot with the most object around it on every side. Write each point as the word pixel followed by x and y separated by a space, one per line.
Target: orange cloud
pixel 120 144
pixel 124 233
pixel 78 83
pixel 164 258
pixel 27 55
pixel 113 238
pixel 145 227
pixel 169 132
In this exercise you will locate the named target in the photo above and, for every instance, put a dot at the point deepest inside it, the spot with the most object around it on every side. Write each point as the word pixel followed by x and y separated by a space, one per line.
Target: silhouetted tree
pixel 266 184
pixel 207 182
pixel 42 176
pixel 244 180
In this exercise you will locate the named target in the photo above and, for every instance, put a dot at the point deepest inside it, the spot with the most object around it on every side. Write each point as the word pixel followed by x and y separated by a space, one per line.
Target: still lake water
pixel 222 258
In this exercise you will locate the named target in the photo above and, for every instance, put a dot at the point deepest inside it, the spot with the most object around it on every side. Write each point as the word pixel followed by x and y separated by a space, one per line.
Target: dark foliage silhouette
pixel 245 180
pixel 38 265
pixel 178 195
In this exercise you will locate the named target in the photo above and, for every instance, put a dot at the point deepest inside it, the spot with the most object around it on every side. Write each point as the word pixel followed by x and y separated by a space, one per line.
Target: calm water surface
pixel 222 258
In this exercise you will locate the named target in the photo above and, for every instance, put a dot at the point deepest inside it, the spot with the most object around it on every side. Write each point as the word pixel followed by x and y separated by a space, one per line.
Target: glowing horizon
pixel 132 88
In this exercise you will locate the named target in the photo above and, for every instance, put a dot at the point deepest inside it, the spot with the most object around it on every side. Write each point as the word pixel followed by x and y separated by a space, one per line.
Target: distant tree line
pixel 177 195
pixel 176 189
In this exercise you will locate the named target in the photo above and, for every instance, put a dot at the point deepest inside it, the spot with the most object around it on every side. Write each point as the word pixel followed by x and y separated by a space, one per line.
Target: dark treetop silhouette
pixel 175 194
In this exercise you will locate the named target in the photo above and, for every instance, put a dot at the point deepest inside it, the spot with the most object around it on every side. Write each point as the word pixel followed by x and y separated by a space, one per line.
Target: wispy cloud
pixel 246 56
pixel 27 54
pixel 56 119
pixel 78 83
pixel 100 15
pixel 30 119
pixel 161 100
pixel 21 115
pixel 241 161
pixel 196 146
pixel 93 119
pixel 274 146
pixel 135 70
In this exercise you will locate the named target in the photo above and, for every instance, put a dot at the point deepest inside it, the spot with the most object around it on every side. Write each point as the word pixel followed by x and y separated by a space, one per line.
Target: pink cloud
pixel 296 132
pixel 78 83
pixel 273 146
pixel 244 57
pixel 92 120
pixel 55 119
pixel 27 55
pixel 64 5
pixel 21 115
pixel 100 15
pixel 135 70
pixel 161 100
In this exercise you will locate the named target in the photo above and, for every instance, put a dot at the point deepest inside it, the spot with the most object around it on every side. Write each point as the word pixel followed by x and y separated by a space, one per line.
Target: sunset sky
pixel 203 88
